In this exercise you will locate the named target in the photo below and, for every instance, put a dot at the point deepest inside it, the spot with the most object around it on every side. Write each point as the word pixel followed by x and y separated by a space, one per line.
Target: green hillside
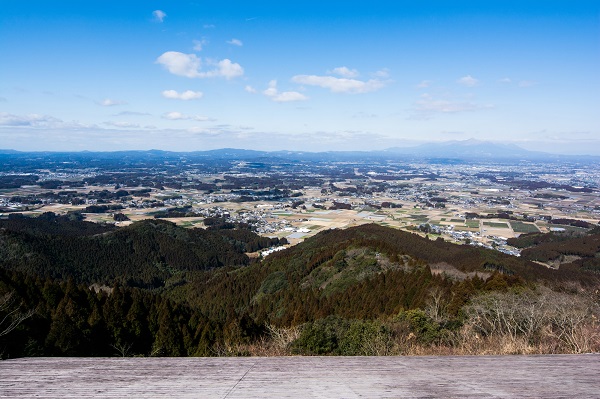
pixel 368 272
pixel 145 254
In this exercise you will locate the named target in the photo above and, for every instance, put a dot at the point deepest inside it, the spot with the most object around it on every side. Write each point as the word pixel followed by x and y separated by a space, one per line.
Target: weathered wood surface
pixel 554 376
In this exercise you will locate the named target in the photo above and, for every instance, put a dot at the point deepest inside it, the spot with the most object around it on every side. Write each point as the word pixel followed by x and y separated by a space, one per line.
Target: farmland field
pixel 521 227
pixel 496 225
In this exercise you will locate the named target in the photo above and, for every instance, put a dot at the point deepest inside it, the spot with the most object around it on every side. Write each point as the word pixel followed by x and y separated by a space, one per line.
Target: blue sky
pixel 298 75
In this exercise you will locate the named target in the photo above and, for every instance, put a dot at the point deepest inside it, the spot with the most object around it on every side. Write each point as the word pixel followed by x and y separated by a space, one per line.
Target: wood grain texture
pixel 550 376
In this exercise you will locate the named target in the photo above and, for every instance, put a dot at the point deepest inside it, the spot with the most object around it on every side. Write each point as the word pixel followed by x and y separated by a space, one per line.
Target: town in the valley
pixel 473 202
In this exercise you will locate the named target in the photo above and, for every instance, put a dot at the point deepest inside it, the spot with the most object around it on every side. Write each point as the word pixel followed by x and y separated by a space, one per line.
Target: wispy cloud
pixel 250 89
pixel 425 84
pixel 427 106
pixel 382 73
pixel 61 136
pixel 345 72
pixel 132 113
pixel 199 44
pixel 235 42
pixel 189 65
pixel 286 96
pixel 109 102
pixel 185 95
pixel 348 138
pixel 32 120
pixel 363 115
pixel 159 15
pixel 339 85
pixel 563 142
pixel 40 122
pixel 468 81
pixel 122 125
pixel 174 116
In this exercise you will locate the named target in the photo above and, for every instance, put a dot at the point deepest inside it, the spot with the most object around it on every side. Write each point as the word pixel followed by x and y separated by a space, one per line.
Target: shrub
pixel 321 337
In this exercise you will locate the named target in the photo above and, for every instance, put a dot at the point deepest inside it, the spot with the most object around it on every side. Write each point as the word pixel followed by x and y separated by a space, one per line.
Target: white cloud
pixel 185 95
pixel 227 69
pixel 228 132
pixel 180 64
pixel 179 116
pixel 250 89
pixel 272 90
pixel 235 42
pixel 43 122
pixel 189 65
pixel 505 80
pixel 286 96
pixel 424 84
pixel 345 72
pixel 108 102
pixel 159 15
pixel 174 116
pixel 123 125
pixel 32 120
pixel 339 85
pixel 468 81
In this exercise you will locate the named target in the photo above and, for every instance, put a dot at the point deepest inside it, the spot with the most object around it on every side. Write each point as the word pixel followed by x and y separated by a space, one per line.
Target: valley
pixel 287 196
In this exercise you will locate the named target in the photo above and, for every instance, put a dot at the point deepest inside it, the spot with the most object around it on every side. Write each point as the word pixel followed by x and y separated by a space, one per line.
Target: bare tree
pixel 10 314
pixel 123 349
pixel 282 337
pixel 538 317
pixel 436 305
pixel 575 323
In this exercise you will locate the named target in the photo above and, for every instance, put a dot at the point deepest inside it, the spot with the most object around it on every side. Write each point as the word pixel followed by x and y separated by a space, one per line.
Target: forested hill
pixel 145 254
pixel 363 290
pixel 564 250
pixel 368 271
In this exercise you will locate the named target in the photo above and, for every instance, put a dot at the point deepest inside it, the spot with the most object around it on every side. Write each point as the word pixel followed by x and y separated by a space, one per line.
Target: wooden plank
pixel 549 376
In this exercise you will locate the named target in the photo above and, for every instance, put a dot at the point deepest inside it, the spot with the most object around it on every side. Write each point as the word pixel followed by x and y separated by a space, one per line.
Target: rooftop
pixel 549 376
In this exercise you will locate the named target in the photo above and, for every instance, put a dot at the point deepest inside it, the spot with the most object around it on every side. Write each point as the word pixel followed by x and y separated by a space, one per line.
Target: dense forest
pixel 565 250
pixel 148 254
pixel 74 288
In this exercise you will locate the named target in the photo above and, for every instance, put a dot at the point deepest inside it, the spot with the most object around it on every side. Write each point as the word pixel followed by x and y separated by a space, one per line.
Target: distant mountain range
pixel 468 149
pixel 471 149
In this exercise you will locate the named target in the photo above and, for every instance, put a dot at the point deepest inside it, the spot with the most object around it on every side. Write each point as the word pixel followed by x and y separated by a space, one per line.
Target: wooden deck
pixel 560 376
